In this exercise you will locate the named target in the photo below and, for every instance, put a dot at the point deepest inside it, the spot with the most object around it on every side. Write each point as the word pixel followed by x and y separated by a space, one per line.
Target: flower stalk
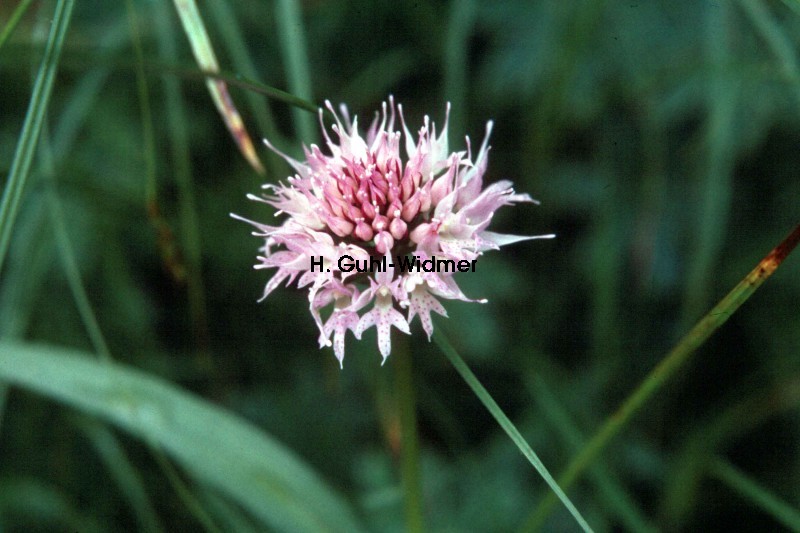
pixel 409 438
pixel 668 366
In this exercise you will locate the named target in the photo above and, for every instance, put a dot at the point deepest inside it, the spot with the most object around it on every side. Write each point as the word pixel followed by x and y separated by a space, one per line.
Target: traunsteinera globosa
pixel 367 202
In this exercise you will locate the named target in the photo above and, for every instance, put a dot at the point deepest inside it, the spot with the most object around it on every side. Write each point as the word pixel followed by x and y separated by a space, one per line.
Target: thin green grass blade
pixel 25 270
pixel 122 471
pixel 410 467
pixel 48 506
pixel 616 499
pixel 257 87
pixel 456 49
pixel 295 58
pixel 207 59
pixel 28 140
pixel 688 466
pixel 178 127
pixel 715 184
pixel 224 17
pixel 772 33
pixel 185 493
pixel 143 94
pixel 756 494
pixel 508 426
pixel 237 80
pixel 66 253
pixel 13 20
pixel 213 445
pixel 167 245
pixel 657 377
pixel 231 517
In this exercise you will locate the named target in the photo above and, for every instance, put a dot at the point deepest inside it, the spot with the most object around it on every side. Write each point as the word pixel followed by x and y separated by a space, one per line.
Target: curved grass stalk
pixel 13 20
pixel 178 126
pixel 213 446
pixel 608 489
pixel 694 463
pixel 295 58
pixel 207 60
pixel 222 13
pixel 130 482
pixel 752 491
pixel 508 426
pixel 412 485
pixel 718 315
pixel 28 140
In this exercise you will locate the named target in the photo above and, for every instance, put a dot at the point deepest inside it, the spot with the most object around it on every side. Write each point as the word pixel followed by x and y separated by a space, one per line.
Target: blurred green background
pixel 661 139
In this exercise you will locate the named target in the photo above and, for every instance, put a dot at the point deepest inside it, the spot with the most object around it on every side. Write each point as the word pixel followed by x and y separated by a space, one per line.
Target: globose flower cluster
pixel 367 200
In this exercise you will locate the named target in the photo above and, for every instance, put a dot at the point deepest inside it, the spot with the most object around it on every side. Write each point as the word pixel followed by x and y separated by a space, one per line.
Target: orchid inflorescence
pixel 367 202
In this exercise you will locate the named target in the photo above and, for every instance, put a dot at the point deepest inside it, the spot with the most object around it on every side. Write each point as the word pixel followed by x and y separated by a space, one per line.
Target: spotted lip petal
pixel 364 198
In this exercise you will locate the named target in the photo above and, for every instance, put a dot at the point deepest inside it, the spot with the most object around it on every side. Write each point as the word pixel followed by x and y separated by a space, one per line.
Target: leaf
pixel 34 118
pixel 507 425
pixel 207 60
pixel 212 444
pixel 757 495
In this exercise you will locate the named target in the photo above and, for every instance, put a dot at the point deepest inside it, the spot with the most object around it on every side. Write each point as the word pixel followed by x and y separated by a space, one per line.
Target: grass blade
pixel 213 445
pixel 13 20
pixel 170 252
pixel 456 64
pixel 508 426
pixel 293 45
pixel 205 57
pixel 778 42
pixel 178 128
pixel 688 469
pixel 234 40
pixel 40 98
pixel 124 473
pixel 715 183
pixel 66 254
pixel 756 494
pixel 184 492
pixel 718 315
pixel 615 497
pixel 49 506
pixel 410 469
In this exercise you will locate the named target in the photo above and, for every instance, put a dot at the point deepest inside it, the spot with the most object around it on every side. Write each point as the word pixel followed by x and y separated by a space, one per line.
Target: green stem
pixel 28 140
pixel 412 485
pixel 759 496
pixel 456 65
pixel 31 128
pixel 608 489
pixel 666 368
pixel 16 16
pixel 498 414
pixel 143 93
pixel 183 491
pixel 187 209
pixel 292 38
pixel 69 261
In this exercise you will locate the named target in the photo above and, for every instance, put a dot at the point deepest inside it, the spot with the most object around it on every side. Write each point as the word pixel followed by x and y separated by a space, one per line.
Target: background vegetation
pixel 661 138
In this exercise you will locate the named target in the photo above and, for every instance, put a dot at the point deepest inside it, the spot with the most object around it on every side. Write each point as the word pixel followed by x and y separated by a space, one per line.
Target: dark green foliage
pixel 662 140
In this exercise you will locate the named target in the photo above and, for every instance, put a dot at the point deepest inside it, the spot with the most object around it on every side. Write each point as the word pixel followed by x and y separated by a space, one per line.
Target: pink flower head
pixel 360 215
